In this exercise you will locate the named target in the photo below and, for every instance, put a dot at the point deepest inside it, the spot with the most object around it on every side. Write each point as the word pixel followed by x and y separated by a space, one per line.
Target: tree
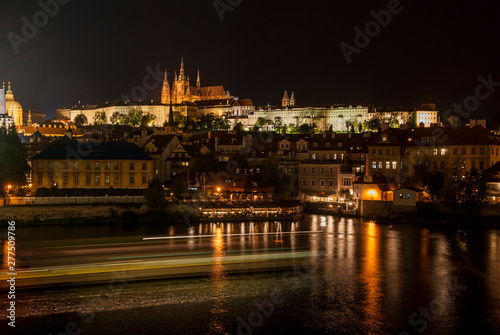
pixel 80 120
pixel 115 118
pixel 239 127
pixel 148 120
pixel 270 174
pixel 155 195
pixel 304 129
pixel 134 117
pixel 372 124
pixel 100 118
pixel 465 188
pixel 13 159
pixel 453 120
pixel 278 122
pixel 435 183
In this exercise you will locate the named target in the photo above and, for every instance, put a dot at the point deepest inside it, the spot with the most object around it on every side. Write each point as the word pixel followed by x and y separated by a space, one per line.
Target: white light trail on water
pixel 273 233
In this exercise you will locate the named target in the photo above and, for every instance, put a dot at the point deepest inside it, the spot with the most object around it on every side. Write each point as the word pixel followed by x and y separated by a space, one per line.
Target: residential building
pixel 91 165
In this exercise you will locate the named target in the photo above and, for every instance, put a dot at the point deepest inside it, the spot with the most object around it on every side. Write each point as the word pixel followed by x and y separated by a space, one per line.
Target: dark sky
pixel 96 51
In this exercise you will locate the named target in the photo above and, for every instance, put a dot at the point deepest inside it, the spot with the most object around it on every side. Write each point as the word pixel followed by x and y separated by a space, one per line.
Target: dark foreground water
pixel 363 278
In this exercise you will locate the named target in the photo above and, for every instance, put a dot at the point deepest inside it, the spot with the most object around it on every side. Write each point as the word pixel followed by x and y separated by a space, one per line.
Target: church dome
pixel 14 108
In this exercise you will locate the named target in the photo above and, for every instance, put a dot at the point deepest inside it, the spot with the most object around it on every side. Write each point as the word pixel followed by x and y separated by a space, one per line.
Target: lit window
pixel 394 165
pixel 97 165
pixel 97 179
pixel 387 165
pixel 443 152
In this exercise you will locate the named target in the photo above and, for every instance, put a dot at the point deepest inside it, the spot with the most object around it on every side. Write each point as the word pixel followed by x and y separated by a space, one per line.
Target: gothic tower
pixel 292 99
pixel 285 101
pixel 165 90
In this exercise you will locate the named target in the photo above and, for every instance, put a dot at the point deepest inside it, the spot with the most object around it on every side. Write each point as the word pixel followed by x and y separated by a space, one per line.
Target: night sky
pixel 96 51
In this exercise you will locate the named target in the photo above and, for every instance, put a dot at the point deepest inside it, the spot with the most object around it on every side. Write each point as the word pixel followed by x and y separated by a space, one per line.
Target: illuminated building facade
pixel 13 108
pixel 182 91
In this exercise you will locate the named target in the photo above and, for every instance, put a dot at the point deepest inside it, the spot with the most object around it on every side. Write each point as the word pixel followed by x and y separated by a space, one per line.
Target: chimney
pixel 324 134
pixel 368 179
pixel 333 134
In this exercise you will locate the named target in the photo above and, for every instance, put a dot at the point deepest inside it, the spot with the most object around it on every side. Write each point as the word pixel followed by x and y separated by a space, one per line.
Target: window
pixel 39 165
pixel 75 165
pixel 65 178
pixel 331 170
pixel 144 166
pixel 443 152
pixel 40 177
pixel 427 152
pixel 387 165
pixel 144 181
pixel 462 151
pixel 106 179
pixel 131 166
pixel 400 195
pixel 87 166
pixel 473 164
pixel 481 165
pixel 331 183
pixel 434 152
pixel 380 152
pixel 116 179
pixel 131 179
pixel 312 182
pixel 97 179
pixel 407 196
pixel 97 165
pixel 107 166
pixel 418 152
pixel 51 165
pixel 116 166
pixel 303 170
pixel 394 165
pixel 380 164
pixel 75 179
pixel 455 151
pixel 313 156
pixel 322 170
pixel 481 151
pixel 347 182
pixel 435 165
pixel 87 179
pixel 65 166
pixel 374 152
pixel 394 152
pixel 304 182
pixel 473 151
pixel 322 183
pixel 387 152
pixel 312 170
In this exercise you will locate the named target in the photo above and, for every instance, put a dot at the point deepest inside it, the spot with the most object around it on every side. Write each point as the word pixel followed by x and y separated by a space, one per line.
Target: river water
pixel 361 278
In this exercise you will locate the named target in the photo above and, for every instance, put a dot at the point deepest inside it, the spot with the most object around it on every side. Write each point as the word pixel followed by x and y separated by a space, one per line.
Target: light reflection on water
pixel 218 278
pixel 369 278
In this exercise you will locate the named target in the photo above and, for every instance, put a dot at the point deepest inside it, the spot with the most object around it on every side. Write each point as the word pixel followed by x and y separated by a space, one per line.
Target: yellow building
pixel 13 107
pixel 92 165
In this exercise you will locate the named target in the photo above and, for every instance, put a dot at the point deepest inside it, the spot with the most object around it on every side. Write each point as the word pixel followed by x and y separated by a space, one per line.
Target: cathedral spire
pixel 9 95
pixel 181 75
pixel 198 82
pixel 165 90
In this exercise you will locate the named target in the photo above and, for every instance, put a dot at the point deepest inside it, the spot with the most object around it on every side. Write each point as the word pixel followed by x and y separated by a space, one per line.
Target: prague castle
pixel 182 91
